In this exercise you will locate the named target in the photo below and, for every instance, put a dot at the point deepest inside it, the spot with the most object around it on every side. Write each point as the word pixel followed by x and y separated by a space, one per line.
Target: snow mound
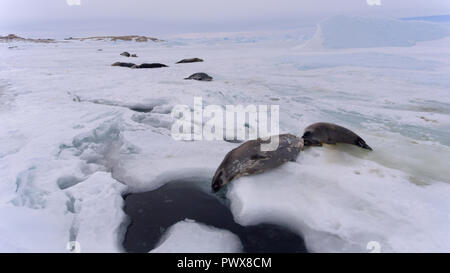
pixel 340 203
pixel 31 230
pixel 96 205
pixel 357 32
pixel 190 237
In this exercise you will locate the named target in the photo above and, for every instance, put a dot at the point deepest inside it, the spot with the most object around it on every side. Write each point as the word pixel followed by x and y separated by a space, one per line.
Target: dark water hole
pixel 152 213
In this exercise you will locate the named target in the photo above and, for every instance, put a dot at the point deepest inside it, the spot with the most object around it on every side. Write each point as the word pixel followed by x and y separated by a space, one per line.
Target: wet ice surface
pixel 65 163
pixel 152 213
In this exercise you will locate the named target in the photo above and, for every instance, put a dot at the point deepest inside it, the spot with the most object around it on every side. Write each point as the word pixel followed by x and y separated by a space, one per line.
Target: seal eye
pixel 215 187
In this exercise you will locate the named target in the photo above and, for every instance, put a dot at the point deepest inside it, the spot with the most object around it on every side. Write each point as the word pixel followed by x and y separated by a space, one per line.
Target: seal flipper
pixel 361 143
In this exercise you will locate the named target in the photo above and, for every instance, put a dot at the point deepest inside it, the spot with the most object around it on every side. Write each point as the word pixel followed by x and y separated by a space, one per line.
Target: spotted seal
pixel 249 159
pixel 199 77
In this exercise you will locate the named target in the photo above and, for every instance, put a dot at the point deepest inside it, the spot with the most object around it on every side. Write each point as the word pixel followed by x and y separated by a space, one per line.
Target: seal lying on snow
pixel 191 60
pixel 144 65
pixel 123 64
pixel 329 133
pixel 152 65
pixel 248 158
pixel 127 54
pixel 200 77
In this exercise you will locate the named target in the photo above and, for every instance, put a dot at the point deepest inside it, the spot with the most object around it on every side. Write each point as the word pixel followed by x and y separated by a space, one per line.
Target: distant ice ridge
pixel 358 32
pixel 243 37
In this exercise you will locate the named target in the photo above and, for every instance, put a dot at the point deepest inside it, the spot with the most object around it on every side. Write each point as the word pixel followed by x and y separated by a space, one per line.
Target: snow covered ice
pixel 188 236
pixel 71 145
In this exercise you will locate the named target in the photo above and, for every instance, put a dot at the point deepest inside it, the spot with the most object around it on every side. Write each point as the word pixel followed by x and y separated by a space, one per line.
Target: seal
pixel 191 60
pixel 248 159
pixel 125 54
pixel 329 133
pixel 123 64
pixel 200 77
pixel 152 65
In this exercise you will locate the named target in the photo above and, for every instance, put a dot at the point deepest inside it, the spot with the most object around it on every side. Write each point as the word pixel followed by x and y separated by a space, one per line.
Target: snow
pixel 99 195
pixel 190 237
pixel 71 145
pixel 345 206
pixel 27 230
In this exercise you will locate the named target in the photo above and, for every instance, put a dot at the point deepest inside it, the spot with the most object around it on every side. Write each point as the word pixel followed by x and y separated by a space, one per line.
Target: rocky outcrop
pixel 14 38
pixel 128 38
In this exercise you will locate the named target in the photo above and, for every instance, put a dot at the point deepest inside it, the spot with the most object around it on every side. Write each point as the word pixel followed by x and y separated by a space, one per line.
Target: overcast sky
pixel 54 17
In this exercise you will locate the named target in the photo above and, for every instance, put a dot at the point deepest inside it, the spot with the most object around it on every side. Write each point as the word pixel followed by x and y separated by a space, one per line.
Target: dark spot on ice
pixel 234 140
pixel 153 212
pixel 70 203
pixel 141 109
